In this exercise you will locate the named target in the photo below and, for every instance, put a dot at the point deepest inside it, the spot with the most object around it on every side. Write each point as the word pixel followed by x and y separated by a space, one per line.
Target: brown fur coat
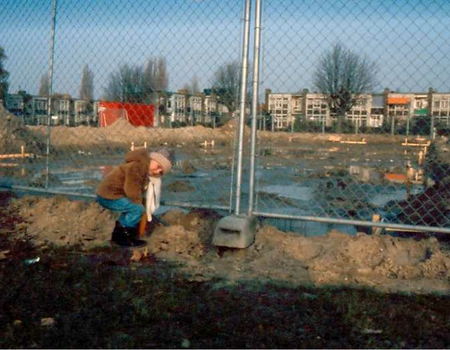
pixel 128 179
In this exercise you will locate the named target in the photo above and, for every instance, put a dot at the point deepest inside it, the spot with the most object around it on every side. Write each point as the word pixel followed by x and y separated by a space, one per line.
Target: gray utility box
pixel 235 231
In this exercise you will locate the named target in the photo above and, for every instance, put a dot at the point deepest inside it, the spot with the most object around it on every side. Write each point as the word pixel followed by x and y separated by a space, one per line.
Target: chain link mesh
pixel 354 107
pixel 358 93
pixel 125 74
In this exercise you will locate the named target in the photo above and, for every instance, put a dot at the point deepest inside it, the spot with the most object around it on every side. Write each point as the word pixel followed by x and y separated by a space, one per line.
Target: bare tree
pixel 161 79
pixel 87 85
pixel 344 76
pixel 138 83
pixel 226 84
pixel 193 87
pixel 44 88
pixel 149 77
pixel 126 85
pixel 4 75
pixel 155 77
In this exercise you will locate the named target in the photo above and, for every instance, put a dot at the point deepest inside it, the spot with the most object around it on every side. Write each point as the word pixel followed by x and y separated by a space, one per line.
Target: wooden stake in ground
pixel 376 230
pixel 142 225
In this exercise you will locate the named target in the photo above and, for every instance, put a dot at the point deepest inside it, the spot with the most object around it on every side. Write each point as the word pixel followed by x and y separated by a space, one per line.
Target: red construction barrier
pixel 137 114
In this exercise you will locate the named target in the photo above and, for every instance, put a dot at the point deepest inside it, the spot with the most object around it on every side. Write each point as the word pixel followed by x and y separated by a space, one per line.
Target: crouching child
pixel 122 191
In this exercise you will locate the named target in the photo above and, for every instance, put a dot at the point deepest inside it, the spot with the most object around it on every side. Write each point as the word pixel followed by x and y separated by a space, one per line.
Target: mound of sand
pixel 123 133
pixel 382 262
pixel 62 222
pixel 13 135
pixel 232 126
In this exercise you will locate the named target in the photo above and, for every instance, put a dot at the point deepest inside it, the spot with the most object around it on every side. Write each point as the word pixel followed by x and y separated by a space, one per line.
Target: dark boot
pixel 117 232
pixel 126 237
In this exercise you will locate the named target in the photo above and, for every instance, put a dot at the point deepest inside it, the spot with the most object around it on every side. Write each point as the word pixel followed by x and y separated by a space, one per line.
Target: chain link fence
pixel 358 93
pixel 353 113
pixel 90 80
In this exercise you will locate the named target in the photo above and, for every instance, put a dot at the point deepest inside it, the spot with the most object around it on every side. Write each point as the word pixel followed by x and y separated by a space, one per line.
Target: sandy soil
pixel 63 139
pixel 382 262
pixel 13 135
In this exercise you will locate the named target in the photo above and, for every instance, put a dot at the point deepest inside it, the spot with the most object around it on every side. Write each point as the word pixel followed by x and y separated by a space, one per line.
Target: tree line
pixel 139 83
pixel 341 74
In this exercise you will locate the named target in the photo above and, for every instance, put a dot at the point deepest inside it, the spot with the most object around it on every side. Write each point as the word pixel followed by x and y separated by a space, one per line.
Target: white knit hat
pixel 163 156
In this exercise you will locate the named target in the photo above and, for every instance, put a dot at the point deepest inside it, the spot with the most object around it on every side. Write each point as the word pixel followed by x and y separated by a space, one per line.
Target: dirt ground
pixel 63 139
pixel 382 262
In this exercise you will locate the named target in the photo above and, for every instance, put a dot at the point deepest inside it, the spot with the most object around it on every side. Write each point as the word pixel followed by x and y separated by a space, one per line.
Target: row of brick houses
pixel 371 110
pixel 65 111
pixel 184 108
pixel 180 107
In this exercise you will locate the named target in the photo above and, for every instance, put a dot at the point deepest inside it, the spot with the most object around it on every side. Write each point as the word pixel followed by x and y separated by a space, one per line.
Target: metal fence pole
pixel 393 125
pixel 400 227
pixel 256 59
pixel 432 128
pixel 408 121
pixel 242 103
pixel 50 89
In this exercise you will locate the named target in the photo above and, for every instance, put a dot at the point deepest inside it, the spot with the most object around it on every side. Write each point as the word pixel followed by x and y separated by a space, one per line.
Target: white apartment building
pixel 359 114
pixel 176 107
pixel 284 108
pixel 192 109
pixel 297 105
pixel 375 118
pixel 195 108
pixel 440 107
pixel 280 107
pixel 61 110
pixel 399 106
pixel 370 110
pixel 39 106
pixel 210 107
pixel 316 108
pixel 81 113
pixel 419 102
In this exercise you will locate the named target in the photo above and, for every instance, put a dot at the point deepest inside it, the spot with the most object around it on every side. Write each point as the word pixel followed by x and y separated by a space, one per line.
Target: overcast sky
pixel 409 40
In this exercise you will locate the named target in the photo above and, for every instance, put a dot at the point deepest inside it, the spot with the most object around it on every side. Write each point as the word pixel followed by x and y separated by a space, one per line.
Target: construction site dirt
pixel 382 262
pixel 350 176
pixel 303 174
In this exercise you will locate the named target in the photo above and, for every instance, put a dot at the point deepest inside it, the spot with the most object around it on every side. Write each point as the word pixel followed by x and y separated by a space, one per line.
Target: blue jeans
pixel 131 213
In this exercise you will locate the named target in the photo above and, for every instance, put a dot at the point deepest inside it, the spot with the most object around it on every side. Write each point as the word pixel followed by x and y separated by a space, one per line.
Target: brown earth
pixel 123 133
pixel 13 135
pixel 382 262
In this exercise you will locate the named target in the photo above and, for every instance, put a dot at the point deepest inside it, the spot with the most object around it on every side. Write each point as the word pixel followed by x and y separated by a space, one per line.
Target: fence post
pixel 242 102
pixel 50 89
pixel 407 124
pixel 432 128
pixel 256 59
pixel 392 125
